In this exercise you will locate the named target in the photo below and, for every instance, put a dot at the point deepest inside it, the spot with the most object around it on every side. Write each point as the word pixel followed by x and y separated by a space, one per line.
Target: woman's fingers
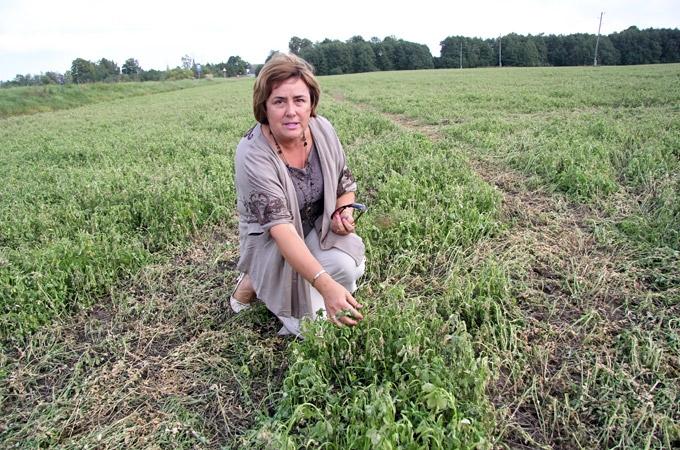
pixel 351 312
pixel 357 315
pixel 344 320
pixel 352 301
pixel 347 316
pixel 342 224
pixel 341 307
pixel 348 321
pixel 336 224
pixel 348 224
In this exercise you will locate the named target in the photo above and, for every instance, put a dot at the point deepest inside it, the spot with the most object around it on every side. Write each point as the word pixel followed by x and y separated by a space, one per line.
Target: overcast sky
pixel 46 35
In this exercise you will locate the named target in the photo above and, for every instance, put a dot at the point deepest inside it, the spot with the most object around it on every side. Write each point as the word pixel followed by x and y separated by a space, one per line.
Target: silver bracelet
pixel 318 274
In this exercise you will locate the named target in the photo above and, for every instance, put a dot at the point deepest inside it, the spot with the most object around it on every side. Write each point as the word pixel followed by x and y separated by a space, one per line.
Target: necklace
pixel 304 183
pixel 280 152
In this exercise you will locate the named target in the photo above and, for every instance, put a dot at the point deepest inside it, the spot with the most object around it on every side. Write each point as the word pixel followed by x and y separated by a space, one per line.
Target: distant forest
pixel 334 57
pixel 631 46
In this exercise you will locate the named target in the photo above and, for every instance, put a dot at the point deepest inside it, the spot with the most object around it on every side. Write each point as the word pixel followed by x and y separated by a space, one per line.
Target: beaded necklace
pixel 282 155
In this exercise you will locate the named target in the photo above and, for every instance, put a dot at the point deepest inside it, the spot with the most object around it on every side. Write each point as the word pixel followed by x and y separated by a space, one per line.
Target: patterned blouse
pixel 308 183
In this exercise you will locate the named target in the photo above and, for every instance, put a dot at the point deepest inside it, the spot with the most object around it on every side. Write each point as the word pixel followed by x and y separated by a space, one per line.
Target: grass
pixel 586 132
pixel 120 191
pixel 51 97
pixel 522 285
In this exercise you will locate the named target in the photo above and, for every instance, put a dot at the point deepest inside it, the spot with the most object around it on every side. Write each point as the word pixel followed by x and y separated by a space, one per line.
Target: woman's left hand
pixel 343 223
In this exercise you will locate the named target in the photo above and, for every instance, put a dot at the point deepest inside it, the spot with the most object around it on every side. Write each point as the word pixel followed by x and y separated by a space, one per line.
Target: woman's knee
pixel 344 269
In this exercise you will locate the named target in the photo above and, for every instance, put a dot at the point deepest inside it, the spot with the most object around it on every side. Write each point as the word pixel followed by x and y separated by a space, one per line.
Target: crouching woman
pixel 299 252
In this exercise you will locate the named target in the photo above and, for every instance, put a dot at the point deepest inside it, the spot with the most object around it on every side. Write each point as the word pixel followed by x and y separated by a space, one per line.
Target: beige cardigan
pixel 266 197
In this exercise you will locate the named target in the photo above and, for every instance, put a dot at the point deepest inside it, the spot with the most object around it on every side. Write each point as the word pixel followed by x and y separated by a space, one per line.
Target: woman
pixel 297 255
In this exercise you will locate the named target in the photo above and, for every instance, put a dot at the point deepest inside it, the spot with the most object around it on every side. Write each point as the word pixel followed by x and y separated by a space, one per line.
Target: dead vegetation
pixel 165 361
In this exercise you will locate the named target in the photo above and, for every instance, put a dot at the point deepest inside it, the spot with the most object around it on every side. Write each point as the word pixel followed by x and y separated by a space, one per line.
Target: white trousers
pixel 339 265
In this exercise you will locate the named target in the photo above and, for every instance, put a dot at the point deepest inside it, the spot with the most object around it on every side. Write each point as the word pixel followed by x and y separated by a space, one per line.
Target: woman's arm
pixel 345 199
pixel 343 224
pixel 296 253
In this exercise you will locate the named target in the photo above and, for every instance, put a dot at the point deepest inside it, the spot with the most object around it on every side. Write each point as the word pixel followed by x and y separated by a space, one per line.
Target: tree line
pixel 334 57
pixel 631 46
pixel 107 71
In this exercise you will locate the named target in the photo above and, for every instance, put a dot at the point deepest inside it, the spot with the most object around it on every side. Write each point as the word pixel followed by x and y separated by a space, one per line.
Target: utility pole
pixel 597 42
pixel 461 54
pixel 500 61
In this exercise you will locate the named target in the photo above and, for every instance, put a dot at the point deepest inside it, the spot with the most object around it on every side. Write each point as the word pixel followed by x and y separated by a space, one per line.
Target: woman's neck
pixel 294 152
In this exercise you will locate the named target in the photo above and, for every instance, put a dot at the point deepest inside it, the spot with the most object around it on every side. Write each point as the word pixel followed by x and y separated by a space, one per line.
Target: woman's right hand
pixel 341 307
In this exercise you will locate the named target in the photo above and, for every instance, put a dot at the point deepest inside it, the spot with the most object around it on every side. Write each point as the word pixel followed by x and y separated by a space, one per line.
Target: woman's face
pixel 288 109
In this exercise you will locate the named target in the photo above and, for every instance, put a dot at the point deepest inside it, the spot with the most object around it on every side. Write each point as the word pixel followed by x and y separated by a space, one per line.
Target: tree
pixel 488 55
pixel 637 47
pixel 55 77
pixel 363 58
pixel 670 44
pixel 131 67
pixel 580 49
pixel 152 75
pixel 315 57
pixel 236 66
pixel 179 73
pixel 256 68
pixel 607 54
pixel 107 70
pixel 338 57
pixel 197 69
pixel 411 56
pixel 296 45
pixel 20 80
pixel 83 71
pixel 557 54
pixel 187 62
pixel 384 53
pixel 519 51
pixel 449 53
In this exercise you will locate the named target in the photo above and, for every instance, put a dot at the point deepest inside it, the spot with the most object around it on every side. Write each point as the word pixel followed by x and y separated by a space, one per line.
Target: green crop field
pixel 522 287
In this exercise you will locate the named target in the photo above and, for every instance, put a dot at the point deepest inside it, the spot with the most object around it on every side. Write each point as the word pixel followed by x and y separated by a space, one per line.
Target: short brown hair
pixel 278 69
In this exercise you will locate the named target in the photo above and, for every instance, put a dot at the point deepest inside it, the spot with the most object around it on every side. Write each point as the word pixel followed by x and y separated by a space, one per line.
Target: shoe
pixel 236 305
